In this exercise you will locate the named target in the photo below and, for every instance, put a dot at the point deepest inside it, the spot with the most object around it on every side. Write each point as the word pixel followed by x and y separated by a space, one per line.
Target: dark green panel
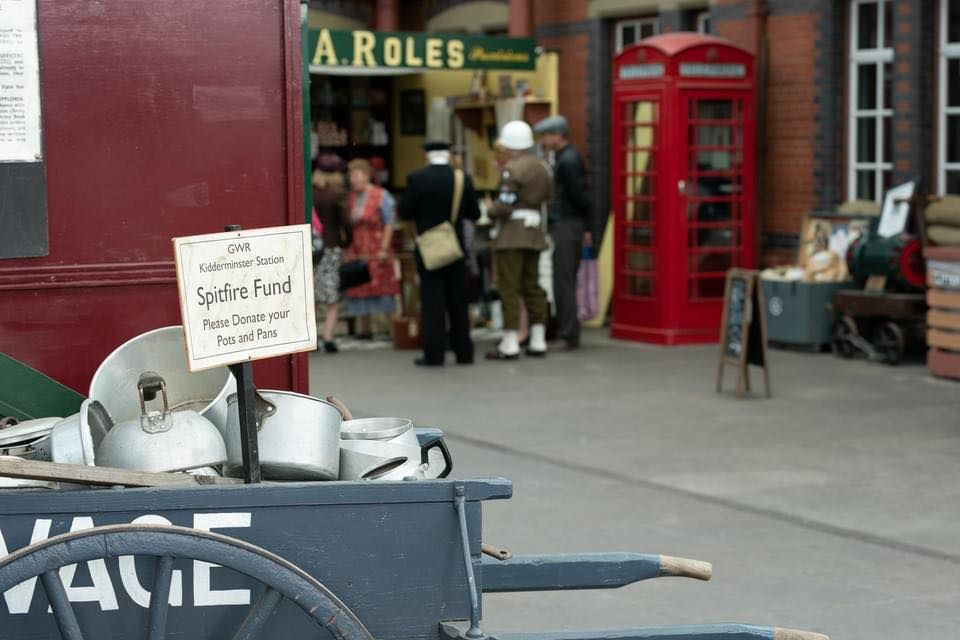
pixel 25 393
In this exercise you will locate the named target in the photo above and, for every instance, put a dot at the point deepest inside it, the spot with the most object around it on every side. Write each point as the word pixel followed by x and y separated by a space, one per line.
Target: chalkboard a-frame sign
pixel 743 332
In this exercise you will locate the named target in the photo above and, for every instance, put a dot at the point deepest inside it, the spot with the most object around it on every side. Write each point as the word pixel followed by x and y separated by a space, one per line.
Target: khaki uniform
pixel 525 186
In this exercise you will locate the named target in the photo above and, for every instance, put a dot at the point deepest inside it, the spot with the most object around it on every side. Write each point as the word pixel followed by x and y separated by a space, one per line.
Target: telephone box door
pixel 716 195
pixel 636 206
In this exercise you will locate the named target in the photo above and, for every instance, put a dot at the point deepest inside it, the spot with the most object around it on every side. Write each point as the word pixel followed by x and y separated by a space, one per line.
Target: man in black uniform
pixel 427 201
pixel 569 225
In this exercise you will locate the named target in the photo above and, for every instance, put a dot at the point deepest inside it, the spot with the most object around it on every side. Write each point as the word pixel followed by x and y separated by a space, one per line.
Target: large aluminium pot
pixel 160 441
pixel 298 437
pixel 114 383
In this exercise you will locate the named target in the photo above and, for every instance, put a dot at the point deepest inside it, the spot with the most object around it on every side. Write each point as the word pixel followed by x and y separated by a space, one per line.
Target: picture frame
pixel 413 112
pixel 835 233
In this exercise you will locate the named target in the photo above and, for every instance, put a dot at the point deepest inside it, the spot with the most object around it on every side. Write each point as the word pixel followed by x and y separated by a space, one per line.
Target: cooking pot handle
pixel 264 408
pixel 149 384
pixel 433 441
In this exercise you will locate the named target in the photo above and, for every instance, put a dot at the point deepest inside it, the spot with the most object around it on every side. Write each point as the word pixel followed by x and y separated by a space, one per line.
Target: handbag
pixel 354 274
pixel 588 288
pixel 439 245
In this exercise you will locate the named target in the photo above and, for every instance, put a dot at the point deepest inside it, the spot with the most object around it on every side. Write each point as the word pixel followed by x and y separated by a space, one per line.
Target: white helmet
pixel 516 135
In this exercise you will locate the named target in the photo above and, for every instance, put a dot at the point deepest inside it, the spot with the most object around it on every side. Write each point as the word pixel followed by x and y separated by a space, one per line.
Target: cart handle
pixel 685 568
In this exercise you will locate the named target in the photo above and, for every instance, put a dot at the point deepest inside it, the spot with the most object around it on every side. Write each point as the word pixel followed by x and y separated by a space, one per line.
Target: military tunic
pixel 525 187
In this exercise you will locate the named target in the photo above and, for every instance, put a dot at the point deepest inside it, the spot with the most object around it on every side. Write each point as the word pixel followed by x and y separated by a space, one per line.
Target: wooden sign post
pixel 244 296
pixel 743 334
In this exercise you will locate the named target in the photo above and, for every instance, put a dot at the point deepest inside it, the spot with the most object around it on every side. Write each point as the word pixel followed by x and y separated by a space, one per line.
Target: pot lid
pixel 27 431
pixel 374 428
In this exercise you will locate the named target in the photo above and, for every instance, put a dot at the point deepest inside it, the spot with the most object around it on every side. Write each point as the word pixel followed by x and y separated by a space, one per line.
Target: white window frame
pixel 703 22
pixel 637 23
pixel 881 55
pixel 947 51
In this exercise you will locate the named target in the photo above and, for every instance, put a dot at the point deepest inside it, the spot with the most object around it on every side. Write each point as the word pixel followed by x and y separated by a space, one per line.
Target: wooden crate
pixel 943 321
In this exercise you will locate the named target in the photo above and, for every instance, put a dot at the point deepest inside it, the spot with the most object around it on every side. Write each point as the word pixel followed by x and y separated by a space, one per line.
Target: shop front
pixel 380 95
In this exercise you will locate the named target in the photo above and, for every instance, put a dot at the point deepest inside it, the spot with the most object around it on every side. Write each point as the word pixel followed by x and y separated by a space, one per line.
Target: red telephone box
pixel 682 184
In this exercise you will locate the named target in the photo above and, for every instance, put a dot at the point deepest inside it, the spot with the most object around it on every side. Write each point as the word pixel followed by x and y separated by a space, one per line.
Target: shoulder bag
pixel 439 245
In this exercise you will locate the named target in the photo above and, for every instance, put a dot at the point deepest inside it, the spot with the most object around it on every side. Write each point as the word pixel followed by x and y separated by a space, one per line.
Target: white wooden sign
pixel 246 295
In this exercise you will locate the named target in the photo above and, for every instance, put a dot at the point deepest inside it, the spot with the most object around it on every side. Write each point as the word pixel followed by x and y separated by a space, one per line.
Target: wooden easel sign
pixel 743 332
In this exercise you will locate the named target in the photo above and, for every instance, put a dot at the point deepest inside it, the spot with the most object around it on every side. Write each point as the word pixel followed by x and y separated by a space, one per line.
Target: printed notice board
pixel 246 295
pixel 23 179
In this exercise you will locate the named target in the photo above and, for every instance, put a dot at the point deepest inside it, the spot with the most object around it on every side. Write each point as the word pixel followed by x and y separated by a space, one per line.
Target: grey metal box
pixel 798 313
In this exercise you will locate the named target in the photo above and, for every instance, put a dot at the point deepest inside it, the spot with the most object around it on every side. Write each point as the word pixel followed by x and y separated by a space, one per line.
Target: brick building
pixel 855 95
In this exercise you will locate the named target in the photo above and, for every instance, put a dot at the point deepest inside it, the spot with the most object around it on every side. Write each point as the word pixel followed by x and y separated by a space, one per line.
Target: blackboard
pixel 23 210
pixel 743 331
pixel 736 312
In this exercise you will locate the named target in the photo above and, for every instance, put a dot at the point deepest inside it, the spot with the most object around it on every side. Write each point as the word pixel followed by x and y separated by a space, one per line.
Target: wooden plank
pixel 943 339
pixel 943 319
pixel 944 254
pixel 101 476
pixel 944 364
pixel 943 299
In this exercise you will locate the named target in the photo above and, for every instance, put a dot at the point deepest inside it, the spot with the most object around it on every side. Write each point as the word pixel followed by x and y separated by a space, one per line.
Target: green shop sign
pixel 331 47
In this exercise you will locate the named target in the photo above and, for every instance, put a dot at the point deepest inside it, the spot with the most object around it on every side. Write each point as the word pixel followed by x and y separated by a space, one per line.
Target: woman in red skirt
pixel 373 214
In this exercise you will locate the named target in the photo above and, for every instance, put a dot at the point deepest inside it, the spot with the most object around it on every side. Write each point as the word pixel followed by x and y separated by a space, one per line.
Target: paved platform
pixel 834 506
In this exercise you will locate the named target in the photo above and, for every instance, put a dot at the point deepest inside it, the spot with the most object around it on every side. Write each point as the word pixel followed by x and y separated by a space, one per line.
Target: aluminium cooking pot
pixel 389 449
pixel 74 440
pixel 160 441
pixel 298 436
pixel 163 350
pixel 29 439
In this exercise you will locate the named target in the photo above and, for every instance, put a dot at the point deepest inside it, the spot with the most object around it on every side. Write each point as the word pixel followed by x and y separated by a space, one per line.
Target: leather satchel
pixel 439 245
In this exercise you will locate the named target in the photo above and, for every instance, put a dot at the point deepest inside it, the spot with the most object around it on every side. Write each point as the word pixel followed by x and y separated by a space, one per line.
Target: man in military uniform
pixel 427 200
pixel 569 225
pixel 525 187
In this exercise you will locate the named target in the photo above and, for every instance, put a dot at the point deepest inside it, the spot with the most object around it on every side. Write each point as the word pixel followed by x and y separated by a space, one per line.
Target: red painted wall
pixel 161 119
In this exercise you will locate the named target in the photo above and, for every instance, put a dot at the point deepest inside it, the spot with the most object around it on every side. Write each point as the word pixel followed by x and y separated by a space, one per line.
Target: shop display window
pixel 352 118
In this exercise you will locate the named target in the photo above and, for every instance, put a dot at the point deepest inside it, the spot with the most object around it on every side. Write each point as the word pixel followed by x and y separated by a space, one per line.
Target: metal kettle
pixel 160 441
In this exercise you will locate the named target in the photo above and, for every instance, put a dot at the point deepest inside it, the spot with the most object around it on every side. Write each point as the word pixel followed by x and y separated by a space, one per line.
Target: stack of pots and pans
pixel 148 412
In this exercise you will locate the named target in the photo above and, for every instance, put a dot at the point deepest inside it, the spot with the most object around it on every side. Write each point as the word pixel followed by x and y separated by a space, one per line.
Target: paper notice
pixel 19 82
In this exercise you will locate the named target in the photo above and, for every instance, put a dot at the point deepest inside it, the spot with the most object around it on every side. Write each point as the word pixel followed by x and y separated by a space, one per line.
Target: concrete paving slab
pixel 831 506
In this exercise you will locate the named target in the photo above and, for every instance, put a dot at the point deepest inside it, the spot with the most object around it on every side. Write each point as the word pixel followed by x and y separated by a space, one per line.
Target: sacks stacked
pixel 943 221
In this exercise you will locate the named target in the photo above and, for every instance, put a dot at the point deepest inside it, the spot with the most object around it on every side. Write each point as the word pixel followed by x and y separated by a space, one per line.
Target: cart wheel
pixel 281 579
pixel 843 331
pixel 889 342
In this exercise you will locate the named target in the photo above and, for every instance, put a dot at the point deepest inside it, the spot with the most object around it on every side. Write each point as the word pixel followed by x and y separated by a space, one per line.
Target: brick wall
pixel 572 85
pixel 913 36
pixel 830 101
pixel 558 11
pixel 787 148
pixel 362 10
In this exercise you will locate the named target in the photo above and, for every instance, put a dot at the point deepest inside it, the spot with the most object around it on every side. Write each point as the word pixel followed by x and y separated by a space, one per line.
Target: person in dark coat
pixel 427 201
pixel 569 224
